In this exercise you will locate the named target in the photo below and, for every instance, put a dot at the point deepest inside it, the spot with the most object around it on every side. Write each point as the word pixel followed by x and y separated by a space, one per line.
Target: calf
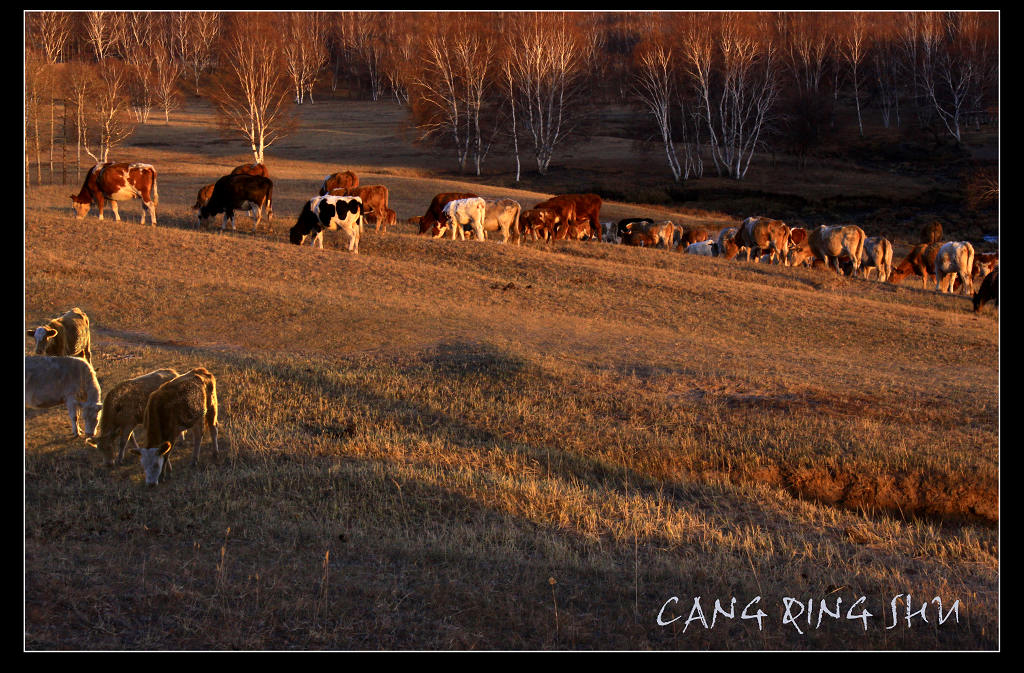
pixel 703 248
pixel 989 290
pixel 67 335
pixel 332 213
pixel 238 192
pixel 183 403
pixel 687 236
pixel 124 407
pixel 342 180
pixel 877 255
pixel 610 232
pixel 373 197
pixel 955 258
pixel 539 223
pixel 584 206
pixel 202 198
pixel 386 218
pixel 577 230
pixel 51 381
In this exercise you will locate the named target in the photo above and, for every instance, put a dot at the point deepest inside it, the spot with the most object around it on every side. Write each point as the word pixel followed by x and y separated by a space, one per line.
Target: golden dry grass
pixel 419 438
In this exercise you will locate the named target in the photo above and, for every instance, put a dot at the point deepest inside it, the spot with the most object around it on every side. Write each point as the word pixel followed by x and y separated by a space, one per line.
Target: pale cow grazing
pixel 52 381
pixel 186 402
pixel 830 243
pixel 989 290
pixel 124 407
pixel 238 192
pixel 706 248
pixel 503 215
pixel 760 235
pixel 67 335
pixel 457 214
pixel 117 182
pixel 330 213
pixel 877 255
pixel 341 180
pixel 955 259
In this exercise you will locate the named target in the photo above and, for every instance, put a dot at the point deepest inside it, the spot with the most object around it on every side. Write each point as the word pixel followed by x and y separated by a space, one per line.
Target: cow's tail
pixel 517 225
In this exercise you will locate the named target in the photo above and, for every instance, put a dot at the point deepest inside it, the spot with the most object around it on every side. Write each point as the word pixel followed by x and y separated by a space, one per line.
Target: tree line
pixel 717 86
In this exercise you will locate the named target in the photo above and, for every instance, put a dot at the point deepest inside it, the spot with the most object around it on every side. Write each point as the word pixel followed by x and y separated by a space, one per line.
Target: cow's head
pixel 91 416
pixel 154 461
pixel 79 207
pixel 44 336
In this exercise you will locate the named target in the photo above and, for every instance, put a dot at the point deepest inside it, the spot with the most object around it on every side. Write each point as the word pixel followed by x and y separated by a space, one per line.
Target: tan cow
pixel 68 335
pixel 503 215
pixel 758 235
pixel 954 259
pixel 124 407
pixel 877 255
pixel 830 243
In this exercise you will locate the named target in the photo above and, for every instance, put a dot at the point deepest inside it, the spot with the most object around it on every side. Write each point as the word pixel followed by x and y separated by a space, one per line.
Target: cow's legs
pixel 150 207
pixel 126 434
pixel 479 231
pixel 197 439
pixel 73 417
pixel 99 205
pixel 113 207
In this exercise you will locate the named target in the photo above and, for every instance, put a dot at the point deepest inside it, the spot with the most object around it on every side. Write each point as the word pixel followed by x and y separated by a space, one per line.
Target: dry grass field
pixel 459 445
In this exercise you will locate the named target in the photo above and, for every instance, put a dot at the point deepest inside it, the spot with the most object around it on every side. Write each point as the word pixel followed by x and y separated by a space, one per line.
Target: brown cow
pixel 430 220
pixel 663 233
pixel 931 232
pixel 117 182
pixel 342 180
pixel 67 335
pixel 759 234
pixel 686 236
pixel 797 237
pixel 989 290
pixel 251 169
pixel 202 197
pixel 374 197
pixel 726 243
pixel 387 218
pixel 577 230
pixel 586 206
pixel 539 223
pixel 920 261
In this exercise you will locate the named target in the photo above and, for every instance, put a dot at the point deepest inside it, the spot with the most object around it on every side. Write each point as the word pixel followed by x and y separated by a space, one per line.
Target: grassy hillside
pixel 441 444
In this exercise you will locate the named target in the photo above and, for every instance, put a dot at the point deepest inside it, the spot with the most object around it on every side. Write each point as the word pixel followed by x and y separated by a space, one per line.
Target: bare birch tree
pixel 304 49
pixel 109 118
pixel 852 48
pixel 51 32
pixel 166 73
pixel 195 33
pixel 103 30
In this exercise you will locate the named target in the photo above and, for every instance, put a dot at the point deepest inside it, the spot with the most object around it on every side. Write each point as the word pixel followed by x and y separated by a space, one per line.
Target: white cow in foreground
pixel 461 212
pixel 61 379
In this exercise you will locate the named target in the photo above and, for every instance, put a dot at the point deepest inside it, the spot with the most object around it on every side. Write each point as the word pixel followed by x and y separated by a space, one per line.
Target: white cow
pixel 877 254
pixel 456 214
pixel 706 248
pixel 61 379
pixel 955 258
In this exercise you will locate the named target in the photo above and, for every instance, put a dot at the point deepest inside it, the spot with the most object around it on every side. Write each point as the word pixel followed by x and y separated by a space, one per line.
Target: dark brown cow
pixel 920 261
pixel 342 180
pixel 374 197
pixel 429 222
pixel 238 192
pixel 203 196
pixel 931 232
pixel 989 290
pixel 641 237
pixel 117 182
pixel 586 206
pixel 251 169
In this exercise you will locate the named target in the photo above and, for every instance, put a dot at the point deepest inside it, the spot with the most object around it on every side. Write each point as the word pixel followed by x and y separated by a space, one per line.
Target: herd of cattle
pixel 167 404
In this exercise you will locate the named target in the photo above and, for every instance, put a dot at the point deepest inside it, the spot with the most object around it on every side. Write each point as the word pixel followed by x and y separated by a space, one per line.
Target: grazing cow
pixel 877 255
pixel 539 223
pixel 374 198
pixel 117 182
pixel 623 225
pixel 65 380
pixel 503 215
pixel 610 232
pixel 931 232
pixel 584 206
pixel 67 335
pixel 706 248
pixel 726 243
pixel 662 233
pixel 830 243
pixel 920 261
pixel 430 221
pixel 989 290
pixel 331 213
pixel 577 230
pixel 797 237
pixel 183 403
pixel 640 236
pixel 124 407
pixel 238 192
pixel 984 262
pixel 758 235
pixel 459 213
pixel 386 218
pixel 342 180
pixel 687 236
pixel 203 197
pixel 251 169
pixel 955 258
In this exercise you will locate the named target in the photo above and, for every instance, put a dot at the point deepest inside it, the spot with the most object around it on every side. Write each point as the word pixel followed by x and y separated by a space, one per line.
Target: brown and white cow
pixel 117 182
pixel 920 261
pixel 373 197
pixel 877 255
pixel 829 244
pixel 238 192
pixel 661 233
pixel 585 206
pixel 341 180
pixel 760 235
pixel 954 259
pixel 429 222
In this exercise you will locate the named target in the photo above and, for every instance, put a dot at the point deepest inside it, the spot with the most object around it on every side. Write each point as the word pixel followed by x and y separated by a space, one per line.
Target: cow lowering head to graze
pixel 386 218
pixel 577 230
pixel 185 402
pixel 52 381
pixel 830 243
pixel 726 243
pixel 539 223
pixel 342 180
pixel 759 235
pixel 251 169
pixel 686 236
pixel 919 261
pixel 954 259
pixel 622 226
pixel 202 198
pixel 374 199
pixel 331 213
pixel 68 334
pixel 584 206
pixel 706 248
pixel 989 290
pixel 931 232
pixel 460 213
pixel 984 262
pixel 877 255
pixel 662 233
pixel 503 215
pixel 124 407
pixel 238 192
pixel 117 182
pixel 641 236
pixel 429 221
pixel 563 211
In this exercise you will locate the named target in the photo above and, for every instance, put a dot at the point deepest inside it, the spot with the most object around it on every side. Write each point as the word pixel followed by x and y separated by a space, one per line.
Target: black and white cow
pixel 329 212
pixel 238 192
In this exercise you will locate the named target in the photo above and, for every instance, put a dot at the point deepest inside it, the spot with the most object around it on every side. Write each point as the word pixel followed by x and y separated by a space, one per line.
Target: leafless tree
pixel 305 50
pixel 195 33
pixel 108 117
pixel 251 93
pixel 852 47
pixel 81 85
pixel 166 73
pixel 103 31
pixel 51 32
pixel 884 53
